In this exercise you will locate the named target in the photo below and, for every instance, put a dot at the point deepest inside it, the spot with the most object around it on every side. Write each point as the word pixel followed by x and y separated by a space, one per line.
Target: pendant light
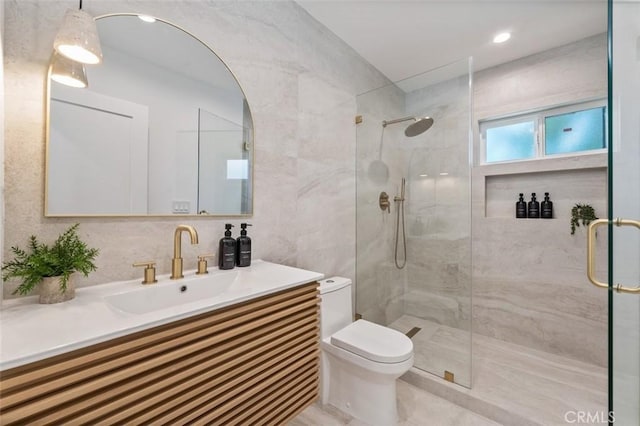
pixel 68 72
pixel 77 38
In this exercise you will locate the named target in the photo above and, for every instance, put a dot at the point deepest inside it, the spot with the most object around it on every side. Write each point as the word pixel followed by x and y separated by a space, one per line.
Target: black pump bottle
pixel 227 249
pixel 534 207
pixel 521 207
pixel 243 247
pixel 546 207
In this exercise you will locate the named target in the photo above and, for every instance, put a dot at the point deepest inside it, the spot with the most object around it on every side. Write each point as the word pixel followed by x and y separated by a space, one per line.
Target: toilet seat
pixel 374 342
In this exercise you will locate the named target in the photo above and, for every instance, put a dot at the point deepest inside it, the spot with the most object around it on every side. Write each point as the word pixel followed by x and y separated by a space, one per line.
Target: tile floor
pixel 416 407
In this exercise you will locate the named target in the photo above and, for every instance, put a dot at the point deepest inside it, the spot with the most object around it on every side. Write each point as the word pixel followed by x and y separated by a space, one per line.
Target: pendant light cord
pixel 80 4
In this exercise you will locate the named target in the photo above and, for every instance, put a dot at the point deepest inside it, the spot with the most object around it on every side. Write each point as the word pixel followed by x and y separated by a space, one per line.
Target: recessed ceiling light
pixel 502 37
pixel 444 174
pixel 423 175
pixel 147 18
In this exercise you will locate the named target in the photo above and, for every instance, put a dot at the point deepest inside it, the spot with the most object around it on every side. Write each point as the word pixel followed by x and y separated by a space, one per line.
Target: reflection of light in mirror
pixel 68 72
pixel 147 18
pixel 444 174
pixel 237 169
pixel 423 175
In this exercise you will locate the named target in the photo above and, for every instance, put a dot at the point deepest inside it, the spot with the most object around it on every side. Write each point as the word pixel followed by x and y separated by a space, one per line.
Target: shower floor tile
pixel 512 384
pixel 437 348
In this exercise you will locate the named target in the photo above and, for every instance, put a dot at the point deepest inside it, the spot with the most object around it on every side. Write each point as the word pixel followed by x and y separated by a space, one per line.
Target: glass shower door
pixel 413 215
pixel 624 247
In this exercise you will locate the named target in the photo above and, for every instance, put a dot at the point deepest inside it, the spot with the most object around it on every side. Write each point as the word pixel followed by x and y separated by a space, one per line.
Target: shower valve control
pixel 384 203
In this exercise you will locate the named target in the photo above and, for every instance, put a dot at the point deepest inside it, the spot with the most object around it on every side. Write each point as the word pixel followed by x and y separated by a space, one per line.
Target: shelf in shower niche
pixel 524 219
pixel 566 188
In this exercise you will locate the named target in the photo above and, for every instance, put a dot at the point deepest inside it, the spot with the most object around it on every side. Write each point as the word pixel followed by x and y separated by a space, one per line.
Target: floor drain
pixel 412 332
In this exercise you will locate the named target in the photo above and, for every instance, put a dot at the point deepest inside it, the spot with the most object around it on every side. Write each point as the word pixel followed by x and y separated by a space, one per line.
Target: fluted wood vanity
pixel 253 362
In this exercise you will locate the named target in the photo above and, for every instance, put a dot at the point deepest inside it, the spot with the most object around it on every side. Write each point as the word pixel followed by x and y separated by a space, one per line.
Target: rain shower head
pixel 419 125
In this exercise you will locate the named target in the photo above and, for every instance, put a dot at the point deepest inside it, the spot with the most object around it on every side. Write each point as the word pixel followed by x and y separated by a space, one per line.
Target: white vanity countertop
pixel 30 331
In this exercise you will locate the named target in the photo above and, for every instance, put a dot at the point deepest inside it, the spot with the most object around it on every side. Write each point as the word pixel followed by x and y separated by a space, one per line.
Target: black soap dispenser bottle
pixel 521 207
pixel 243 247
pixel 533 210
pixel 227 249
pixel 546 207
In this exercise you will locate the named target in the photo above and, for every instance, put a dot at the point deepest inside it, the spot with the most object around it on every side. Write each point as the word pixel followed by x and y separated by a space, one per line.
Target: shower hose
pixel 400 212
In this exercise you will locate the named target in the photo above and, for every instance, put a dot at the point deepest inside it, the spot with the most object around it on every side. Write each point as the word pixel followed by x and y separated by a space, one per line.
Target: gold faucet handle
pixel 149 271
pixel 202 263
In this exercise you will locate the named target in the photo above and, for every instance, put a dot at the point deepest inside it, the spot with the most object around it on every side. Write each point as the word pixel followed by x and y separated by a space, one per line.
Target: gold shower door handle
pixel 591 262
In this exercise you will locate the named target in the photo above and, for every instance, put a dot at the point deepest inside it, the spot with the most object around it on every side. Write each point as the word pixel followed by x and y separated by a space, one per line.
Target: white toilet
pixel 360 360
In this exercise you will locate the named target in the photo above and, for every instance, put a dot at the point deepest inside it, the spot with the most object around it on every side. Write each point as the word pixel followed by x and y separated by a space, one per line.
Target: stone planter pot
pixel 50 291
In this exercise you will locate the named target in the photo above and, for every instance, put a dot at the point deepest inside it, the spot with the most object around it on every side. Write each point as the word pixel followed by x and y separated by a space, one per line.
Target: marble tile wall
pixel 529 279
pixel 300 81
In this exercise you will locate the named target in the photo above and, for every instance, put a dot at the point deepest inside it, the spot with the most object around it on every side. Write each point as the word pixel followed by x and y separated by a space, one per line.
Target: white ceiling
pixel 405 38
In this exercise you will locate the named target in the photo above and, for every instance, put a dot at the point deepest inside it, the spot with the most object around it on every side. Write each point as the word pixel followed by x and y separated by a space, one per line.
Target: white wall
pixel 300 81
pixel 97 154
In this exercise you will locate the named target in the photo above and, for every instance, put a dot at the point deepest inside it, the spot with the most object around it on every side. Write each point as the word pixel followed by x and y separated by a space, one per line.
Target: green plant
pixel 67 255
pixel 581 213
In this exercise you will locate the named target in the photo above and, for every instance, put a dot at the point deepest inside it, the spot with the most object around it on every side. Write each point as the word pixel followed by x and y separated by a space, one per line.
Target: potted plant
pixel 581 213
pixel 51 268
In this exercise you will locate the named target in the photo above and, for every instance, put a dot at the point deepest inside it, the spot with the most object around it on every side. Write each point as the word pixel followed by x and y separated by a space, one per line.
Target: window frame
pixel 538 117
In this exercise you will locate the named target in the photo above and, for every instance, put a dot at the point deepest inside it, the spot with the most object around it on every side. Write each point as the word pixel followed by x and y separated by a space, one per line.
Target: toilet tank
pixel 336 310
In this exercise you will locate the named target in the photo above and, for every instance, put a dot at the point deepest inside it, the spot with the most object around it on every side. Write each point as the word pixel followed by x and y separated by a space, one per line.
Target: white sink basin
pixel 154 297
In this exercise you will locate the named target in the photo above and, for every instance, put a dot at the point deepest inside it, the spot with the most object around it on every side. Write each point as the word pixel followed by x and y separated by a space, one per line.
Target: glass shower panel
pixel 625 193
pixel 430 297
pixel 223 166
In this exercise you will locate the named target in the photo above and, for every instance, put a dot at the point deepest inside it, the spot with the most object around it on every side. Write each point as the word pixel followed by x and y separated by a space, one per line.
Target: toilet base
pixel 367 396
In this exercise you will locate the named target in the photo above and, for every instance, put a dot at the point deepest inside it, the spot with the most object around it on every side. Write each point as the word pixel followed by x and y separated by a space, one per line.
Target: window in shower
pixel 511 141
pixel 574 129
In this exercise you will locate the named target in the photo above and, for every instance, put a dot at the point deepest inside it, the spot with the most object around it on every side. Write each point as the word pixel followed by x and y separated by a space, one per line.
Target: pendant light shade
pixel 68 72
pixel 78 39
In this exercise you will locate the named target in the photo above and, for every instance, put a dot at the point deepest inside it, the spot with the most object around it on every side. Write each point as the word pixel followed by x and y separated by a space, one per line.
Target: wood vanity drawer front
pixel 251 363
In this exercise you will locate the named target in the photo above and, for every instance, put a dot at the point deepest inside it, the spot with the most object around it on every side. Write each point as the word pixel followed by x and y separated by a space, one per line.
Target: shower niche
pixel 569 181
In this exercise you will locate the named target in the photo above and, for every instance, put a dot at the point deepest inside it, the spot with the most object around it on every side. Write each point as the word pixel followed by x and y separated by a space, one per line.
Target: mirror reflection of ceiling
pixel 156 43
pixel 162 129
pixel 403 38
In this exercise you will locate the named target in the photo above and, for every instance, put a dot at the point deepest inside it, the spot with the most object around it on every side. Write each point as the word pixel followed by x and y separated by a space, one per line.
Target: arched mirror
pixel 163 128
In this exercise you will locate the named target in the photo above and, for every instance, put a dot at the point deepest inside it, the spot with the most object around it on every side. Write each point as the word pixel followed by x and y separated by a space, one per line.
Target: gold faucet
pixel 176 262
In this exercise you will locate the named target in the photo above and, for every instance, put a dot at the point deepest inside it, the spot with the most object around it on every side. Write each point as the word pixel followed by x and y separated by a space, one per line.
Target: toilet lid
pixel 374 342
